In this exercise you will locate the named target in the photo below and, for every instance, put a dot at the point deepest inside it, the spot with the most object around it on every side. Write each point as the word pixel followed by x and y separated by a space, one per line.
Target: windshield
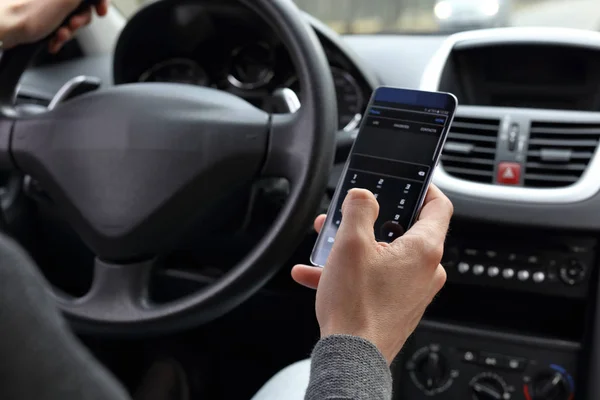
pixel 439 16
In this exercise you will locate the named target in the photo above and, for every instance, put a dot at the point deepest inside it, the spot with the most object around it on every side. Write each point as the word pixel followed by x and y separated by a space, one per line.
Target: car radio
pixel 557 266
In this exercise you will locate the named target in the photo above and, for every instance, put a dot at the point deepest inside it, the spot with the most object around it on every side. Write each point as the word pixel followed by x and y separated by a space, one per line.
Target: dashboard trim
pixel 588 185
pixel 336 40
pixel 520 339
pixel 355 121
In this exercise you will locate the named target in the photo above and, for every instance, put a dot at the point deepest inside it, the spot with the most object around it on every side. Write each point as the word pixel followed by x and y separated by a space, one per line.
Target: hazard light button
pixel 509 173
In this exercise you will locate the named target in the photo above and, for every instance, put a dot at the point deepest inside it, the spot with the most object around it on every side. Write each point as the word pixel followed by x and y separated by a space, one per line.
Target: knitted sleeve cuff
pixel 347 367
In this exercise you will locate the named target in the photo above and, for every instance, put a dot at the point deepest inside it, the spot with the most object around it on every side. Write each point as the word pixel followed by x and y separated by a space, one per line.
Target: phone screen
pixel 394 155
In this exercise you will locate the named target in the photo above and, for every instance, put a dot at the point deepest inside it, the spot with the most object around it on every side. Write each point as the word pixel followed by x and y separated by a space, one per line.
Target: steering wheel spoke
pixel 288 146
pixel 118 293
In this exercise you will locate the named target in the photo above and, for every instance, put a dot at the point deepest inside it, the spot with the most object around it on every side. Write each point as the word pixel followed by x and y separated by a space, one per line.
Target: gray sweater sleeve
pixel 348 368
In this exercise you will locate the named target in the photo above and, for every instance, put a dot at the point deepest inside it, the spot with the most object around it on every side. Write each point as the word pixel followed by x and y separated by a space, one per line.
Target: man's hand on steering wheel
pixel 27 21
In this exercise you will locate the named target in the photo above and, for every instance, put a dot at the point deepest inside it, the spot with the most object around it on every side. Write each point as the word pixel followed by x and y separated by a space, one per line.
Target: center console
pixel 510 323
pixel 516 318
pixel 453 363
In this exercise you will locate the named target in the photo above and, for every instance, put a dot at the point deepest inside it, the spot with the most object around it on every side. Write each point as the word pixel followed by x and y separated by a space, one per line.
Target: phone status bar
pixel 436 111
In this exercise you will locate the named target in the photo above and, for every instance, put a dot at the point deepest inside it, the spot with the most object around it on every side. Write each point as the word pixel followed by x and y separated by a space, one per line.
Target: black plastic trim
pixel 533 341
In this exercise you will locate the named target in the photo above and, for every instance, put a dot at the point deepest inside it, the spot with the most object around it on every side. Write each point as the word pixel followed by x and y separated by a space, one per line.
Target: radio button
pixel 511 363
pixel 508 273
pixel 516 364
pixel 491 254
pixel 463 267
pixel 489 360
pixel 471 252
pixel 478 269
pixel 533 260
pixel 523 275
pixel 469 357
pixel 539 277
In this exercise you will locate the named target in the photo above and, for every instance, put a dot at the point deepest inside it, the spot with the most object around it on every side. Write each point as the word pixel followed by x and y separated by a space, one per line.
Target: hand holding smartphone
pixel 395 153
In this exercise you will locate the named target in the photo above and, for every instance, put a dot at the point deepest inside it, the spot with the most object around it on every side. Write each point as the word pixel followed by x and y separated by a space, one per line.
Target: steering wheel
pixel 129 165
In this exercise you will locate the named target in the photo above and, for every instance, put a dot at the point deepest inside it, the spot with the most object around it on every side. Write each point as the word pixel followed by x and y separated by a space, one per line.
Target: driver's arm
pixel 345 367
pixel 41 358
pixel 371 296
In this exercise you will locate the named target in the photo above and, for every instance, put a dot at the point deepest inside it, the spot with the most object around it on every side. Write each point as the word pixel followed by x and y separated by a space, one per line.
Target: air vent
pixel 470 149
pixel 559 153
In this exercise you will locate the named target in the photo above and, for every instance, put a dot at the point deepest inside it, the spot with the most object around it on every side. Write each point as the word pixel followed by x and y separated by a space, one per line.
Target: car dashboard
pixel 227 48
pixel 521 166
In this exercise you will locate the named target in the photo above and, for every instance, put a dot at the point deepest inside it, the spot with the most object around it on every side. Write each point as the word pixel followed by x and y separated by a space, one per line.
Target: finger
pixel 359 212
pixel 307 276
pixel 102 8
pixel 434 218
pixel 59 39
pixel 54 46
pixel 63 35
pixel 434 194
pixel 80 20
pixel 319 222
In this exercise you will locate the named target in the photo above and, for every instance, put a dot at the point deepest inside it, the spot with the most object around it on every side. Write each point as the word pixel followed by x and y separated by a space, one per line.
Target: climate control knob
pixel 553 384
pixel 429 370
pixel 489 386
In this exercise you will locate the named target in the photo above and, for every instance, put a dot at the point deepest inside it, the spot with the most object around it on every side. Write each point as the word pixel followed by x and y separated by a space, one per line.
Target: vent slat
pixel 488 152
pixel 576 145
pixel 471 138
pixel 474 126
pixel 575 155
pixel 475 149
pixel 557 167
pixel 472 160
pixel 552 178
pixel 560 131
pixel 563 142
pixel 565 128
pixel 467 171
pixel 471 149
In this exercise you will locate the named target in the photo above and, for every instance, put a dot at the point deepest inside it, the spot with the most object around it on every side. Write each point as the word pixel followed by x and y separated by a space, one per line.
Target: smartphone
pixel 398 146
